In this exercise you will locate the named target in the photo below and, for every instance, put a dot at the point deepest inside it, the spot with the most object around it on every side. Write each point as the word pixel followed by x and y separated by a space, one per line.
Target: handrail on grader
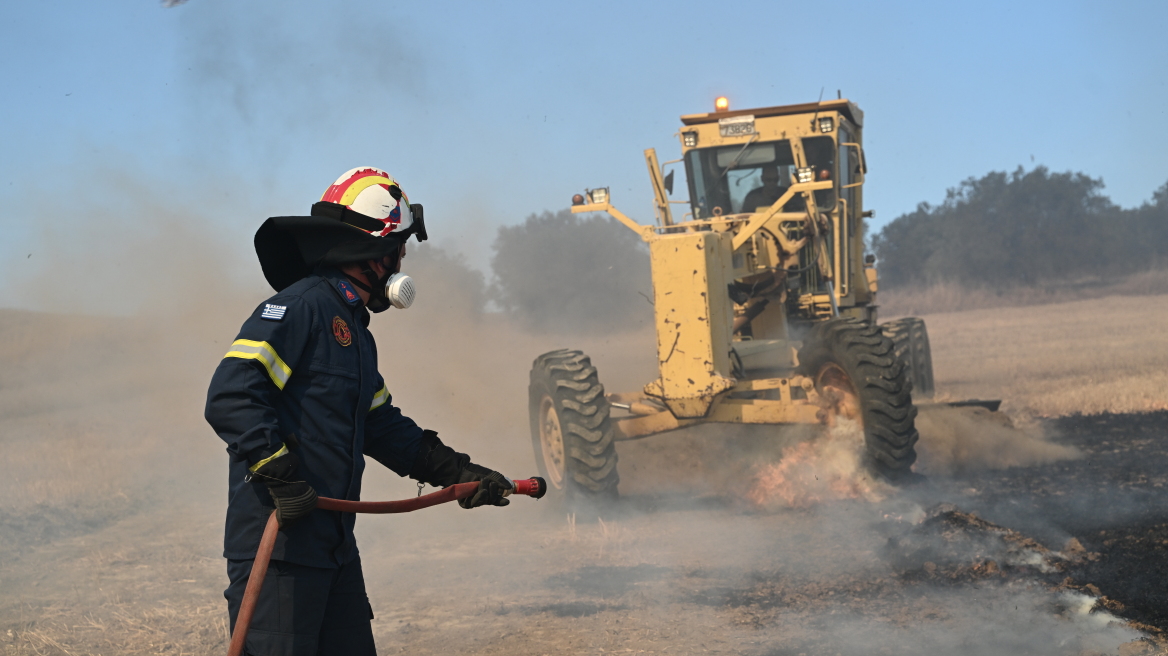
pixel 753 222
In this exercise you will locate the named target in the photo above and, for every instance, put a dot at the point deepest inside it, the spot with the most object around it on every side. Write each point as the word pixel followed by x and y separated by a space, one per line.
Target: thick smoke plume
pixel 958 440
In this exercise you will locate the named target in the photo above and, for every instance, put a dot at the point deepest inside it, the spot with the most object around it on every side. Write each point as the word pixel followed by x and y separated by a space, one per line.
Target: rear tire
pixel 910 340
pixel 571 432
pixel 858 375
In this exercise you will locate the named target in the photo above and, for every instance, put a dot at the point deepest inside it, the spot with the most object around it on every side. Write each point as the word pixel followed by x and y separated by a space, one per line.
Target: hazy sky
pixel 488 112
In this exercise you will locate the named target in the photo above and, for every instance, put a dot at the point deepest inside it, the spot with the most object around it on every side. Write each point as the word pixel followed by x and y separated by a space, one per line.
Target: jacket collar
pixel 345 291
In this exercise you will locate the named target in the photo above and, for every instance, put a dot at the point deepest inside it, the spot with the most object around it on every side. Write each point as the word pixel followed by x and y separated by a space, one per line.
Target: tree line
pixel 558 271
pixel 1023 228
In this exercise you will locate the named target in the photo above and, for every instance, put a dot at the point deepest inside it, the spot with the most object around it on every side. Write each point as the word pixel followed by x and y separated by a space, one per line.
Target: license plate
pixel 736 126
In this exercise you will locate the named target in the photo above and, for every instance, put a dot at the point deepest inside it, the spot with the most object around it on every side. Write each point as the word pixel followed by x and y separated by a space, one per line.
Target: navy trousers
pixel 305 611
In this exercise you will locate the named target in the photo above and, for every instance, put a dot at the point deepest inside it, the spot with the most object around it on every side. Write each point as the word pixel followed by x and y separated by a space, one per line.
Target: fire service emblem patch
pixel 341 332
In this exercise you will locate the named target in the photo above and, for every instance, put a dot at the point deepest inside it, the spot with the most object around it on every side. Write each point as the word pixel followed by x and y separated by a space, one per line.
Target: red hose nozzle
pixel 534 487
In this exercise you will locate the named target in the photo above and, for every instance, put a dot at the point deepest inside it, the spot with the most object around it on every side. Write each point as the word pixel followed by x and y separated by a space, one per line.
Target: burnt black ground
pixel 1114 500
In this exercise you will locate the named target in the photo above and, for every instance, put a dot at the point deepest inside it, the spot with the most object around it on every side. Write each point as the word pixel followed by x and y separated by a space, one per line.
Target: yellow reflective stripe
pixel 380 398
pixel 262 351
pixel 282 451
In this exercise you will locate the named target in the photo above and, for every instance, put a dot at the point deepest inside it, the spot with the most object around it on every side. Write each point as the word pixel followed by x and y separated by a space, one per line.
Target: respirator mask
pixel 391 290
pixel 399 290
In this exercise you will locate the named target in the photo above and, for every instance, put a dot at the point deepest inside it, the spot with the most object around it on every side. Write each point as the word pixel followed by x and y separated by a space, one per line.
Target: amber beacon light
pixel 722 104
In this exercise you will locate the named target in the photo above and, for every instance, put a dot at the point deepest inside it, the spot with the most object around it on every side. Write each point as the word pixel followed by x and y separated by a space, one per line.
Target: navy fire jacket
pixel 303 373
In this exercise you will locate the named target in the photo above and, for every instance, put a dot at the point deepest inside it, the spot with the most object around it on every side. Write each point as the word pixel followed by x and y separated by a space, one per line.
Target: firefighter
pixel 300 403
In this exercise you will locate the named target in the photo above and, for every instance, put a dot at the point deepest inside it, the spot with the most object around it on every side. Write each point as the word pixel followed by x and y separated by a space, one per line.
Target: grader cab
pixel 764 302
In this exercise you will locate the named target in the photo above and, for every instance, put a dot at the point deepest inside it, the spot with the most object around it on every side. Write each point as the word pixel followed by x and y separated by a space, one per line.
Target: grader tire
pixel 854 365
pixel 571 431
pixel 910 340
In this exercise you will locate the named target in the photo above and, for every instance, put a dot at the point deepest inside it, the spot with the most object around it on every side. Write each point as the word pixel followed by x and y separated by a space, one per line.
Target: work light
pixel 599 196
pixel 689 139
pixel 806 174
pixel 826 124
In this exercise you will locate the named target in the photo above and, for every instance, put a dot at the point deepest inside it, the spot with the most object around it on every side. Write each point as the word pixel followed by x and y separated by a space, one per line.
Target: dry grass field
pixel 112 492
pixel 953 297
pixel 1091 356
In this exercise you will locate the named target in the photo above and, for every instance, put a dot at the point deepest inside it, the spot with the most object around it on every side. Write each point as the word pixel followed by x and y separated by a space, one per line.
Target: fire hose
pixel 532 487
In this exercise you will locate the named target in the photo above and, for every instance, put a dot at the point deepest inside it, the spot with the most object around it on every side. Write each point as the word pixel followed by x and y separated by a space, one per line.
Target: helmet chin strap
pixel 378 302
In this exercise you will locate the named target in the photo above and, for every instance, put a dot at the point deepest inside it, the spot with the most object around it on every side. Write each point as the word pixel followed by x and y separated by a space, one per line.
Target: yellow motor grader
pixel 764 302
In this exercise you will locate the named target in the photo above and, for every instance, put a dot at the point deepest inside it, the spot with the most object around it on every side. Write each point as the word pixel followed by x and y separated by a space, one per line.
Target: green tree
pixel 565 272
pixel 1020 228
pixel 1150 229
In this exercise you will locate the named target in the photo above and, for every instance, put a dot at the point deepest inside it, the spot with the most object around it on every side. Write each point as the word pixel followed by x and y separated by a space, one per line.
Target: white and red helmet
pixel 362 216
pixel 375 194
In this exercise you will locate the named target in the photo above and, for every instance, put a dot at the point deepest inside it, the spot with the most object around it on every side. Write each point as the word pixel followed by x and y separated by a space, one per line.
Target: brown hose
pixel 259 569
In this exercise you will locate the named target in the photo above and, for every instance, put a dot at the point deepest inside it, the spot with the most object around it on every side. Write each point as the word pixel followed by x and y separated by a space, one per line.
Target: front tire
pixel 571 431
pixel 858 376
pixel 910 341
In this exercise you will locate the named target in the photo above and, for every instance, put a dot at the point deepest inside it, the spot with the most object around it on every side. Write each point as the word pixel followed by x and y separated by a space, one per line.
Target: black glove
pixel 442 466
pixel 491 486
pixel 293 498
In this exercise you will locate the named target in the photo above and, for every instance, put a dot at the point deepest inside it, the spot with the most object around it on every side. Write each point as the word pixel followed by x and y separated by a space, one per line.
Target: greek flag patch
pixel 273 312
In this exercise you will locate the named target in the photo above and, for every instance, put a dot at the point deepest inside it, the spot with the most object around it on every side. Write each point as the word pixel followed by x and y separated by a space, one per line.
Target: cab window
pixel 730 179
pixel 821 155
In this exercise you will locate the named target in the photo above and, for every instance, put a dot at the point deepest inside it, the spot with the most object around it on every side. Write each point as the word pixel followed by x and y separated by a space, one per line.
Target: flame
pixel 823 469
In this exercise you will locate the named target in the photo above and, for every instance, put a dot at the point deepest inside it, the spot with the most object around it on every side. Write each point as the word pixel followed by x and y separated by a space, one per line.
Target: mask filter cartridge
pixel 399 289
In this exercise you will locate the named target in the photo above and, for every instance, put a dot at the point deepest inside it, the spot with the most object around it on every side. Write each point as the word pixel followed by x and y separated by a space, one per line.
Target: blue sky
pixel 488 112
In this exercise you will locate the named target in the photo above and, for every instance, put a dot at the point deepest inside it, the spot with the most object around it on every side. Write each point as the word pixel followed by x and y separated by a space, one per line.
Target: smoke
pixel 131 304
pixel 139 247
pixel 310 73
pixel 955 441
pixel 691 575
pixel 826 468
pixel 109 408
